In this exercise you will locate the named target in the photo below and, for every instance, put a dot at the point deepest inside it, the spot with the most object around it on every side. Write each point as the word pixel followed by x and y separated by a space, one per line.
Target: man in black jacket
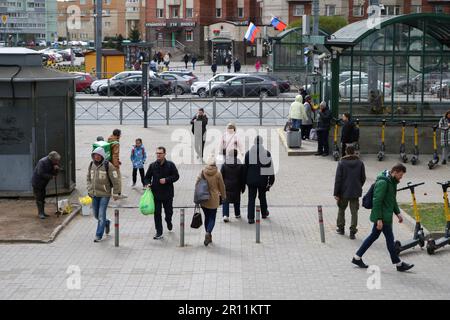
pixel 323 130
pixel 199 123
pixel 350 178
pixel 160 176
pixel 46 169
pixel 348 131
pixel 259 176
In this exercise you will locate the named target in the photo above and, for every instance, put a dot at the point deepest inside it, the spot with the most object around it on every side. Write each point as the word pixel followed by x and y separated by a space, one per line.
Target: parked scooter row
pixel 418 235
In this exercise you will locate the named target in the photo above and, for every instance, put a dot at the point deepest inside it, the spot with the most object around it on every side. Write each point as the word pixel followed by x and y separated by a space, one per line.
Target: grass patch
pixel 431 214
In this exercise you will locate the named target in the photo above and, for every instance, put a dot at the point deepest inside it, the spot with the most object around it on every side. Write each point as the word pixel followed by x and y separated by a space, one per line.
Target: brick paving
pixel 290 263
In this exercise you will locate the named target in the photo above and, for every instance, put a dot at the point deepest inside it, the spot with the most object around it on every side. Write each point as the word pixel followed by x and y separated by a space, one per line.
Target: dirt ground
pixel 19 221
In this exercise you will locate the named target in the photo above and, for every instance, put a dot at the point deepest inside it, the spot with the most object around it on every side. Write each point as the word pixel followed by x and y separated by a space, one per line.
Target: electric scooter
pixel 433 162
pixel 403 156
pixel 418 237
pixel 415 157
pixel 382 151
pixel 357 151
pixel 336 153
pixel 444 150
pixel 433 245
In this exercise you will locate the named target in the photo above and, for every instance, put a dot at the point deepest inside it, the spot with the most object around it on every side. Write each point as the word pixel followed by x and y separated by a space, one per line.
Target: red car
pixel 83 82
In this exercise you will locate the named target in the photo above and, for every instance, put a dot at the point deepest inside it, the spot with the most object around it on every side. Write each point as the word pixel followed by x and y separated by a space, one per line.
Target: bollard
pixel 116 227
pixel 322 231
pixel 258 224
pixel 182 227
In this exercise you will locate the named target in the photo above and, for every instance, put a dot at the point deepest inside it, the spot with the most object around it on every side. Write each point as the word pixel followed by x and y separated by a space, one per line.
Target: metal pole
pixel 145 91
pixel 260 110
pixel 109 88
pixel 214 110
pixel 322 231
pixel 167 111
pixel 316 12
pixel 98 37
pixel 258 224
pixel 120 110
pixel 116 228
pixel 182 227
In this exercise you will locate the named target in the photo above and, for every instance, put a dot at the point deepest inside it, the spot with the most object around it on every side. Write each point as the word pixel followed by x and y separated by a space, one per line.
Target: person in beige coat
pixel 217 191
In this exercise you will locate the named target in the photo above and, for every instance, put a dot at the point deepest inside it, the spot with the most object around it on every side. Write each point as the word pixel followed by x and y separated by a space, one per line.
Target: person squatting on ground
pixel 102 178
pixel 199 123
pixel 138 158
pixel 297 112
pixel 384 204
pixel 233 174
pixel 444 125
pixel 350 178
pixel 160 177
pixel 217 193
pixel 259 177
pixel 46 169
pixel 323 130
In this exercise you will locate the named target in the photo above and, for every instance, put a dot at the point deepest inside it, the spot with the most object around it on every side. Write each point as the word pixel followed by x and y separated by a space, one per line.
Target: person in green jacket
pixel 384 204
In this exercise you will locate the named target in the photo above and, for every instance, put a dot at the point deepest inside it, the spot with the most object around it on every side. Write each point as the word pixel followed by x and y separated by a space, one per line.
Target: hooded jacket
pixel 233 176
pixel 230 142
pixel 350 178
pixel 115 150
pixel 308 118
pixel 43 173
pixel 98 183
pixel 216 186
pixel 138 156
pixel 258 166
pixel 384 198
pixel 297 110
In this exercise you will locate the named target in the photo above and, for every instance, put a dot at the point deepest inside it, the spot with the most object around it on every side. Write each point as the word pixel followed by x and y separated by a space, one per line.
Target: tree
pixel 119 42
pixel 135 35
pixel 329 24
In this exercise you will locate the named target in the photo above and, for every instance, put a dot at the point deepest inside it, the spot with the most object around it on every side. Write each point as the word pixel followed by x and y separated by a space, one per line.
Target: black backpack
pixel 367 200
pixel 355 134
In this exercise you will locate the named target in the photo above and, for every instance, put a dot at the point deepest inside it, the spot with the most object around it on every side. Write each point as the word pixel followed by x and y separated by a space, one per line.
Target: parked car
pixel 183 72
pixel 99 84
pixel 83 82
pixel 78 52
pixel 180 85
pixel 360 87
pixel 246 86
pixel 202 87
pixel 65 55
pixel 42 43
pixel 132 86
pixel 436 88
pixel 344 75
pixel 284 85
pixel 415 83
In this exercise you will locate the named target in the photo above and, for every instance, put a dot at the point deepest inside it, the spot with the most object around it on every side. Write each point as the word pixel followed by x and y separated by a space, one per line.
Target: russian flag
pixel 278 24
pixel 251 33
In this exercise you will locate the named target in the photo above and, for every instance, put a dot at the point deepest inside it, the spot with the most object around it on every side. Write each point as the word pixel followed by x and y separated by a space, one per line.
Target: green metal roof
pixel 438 26
pixel 286 32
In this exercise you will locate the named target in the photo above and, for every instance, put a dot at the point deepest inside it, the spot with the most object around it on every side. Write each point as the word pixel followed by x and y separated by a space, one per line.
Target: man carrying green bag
pixel 147 203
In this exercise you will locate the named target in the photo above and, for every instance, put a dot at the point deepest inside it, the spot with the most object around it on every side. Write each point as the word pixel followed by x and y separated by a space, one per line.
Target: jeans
pixel 354 207
pixel 99 206
pixel 210 219
pixel 373 236
pixel 40 194
pixel 141 173
pixel 322 141
pixel 306 129
pixel 168 210
pixel 226 209
pixel 252 191
pixel 296 123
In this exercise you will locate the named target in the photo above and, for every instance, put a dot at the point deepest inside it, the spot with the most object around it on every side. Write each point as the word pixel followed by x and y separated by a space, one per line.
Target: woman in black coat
pixel 234 178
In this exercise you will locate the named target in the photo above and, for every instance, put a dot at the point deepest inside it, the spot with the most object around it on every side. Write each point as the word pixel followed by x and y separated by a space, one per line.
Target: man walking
pixel 114 140
pixel 46 169
pixel 350 178
pixel 199 123
pixel 323 130
pixel 259 177
pixel 348 131
pixel 384 204
pixel 160 177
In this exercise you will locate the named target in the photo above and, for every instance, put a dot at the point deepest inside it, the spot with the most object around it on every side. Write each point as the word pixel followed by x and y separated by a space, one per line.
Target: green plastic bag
pixel 106 147
pixel 147 203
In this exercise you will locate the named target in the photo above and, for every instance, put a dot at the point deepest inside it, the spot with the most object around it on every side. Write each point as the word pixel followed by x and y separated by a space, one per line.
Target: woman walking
pixel 233 174
pixel 217 192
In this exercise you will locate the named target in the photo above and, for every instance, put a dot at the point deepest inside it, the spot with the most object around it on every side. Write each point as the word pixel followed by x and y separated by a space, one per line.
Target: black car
pixel 132 86
pixel 284 85
pixel 246 86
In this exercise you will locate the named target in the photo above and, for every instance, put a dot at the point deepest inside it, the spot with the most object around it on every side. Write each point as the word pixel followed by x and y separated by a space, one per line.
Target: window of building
pixel 189 12
pixel 175 12
pixel 218 12
pixel 330 10
pixel 358 11
pixel 240 12
pixel 299 10
pixel 439 9
pixel 416 9
pixel 189 35
pixel 82 1
pixel 160 13
pixel 391 10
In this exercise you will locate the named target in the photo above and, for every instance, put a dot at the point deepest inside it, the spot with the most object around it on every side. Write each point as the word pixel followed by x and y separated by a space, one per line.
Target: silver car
pixel 180 84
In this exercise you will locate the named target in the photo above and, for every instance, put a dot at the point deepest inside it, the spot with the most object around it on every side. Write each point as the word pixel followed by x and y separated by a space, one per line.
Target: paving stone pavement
pixel 289 263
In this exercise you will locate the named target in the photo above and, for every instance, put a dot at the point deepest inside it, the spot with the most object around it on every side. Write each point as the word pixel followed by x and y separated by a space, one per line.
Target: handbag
pixel 197 218
pixel 288 126
pixel 313 134
pixel 201 193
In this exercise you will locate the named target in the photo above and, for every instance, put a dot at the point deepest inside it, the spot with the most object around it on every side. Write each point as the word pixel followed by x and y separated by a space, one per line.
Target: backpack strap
pixel 106 164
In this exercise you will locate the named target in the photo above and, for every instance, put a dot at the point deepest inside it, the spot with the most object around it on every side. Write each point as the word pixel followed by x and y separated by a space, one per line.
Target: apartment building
pixel 28 20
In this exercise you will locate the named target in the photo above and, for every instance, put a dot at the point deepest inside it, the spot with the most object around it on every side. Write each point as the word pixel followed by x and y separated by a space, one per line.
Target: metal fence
pixel 258 111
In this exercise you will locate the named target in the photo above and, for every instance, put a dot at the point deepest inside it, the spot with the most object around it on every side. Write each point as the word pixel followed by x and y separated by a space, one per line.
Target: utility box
pixel 37 115
pixel 113 62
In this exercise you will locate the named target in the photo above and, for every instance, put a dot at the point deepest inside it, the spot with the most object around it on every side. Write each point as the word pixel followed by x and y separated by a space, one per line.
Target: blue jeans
pixel 99 206
pixel 226 209
pixel 210 219
pixel 373 236
pixel 296 123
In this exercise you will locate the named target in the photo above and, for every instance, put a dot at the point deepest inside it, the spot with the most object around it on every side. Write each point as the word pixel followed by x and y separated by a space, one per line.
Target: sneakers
pixel 208 239
pixel 226 219
pixel 251 221
pixel 158 237
pixel 169 226
pixel 340 231
pixel 404 267
pixel 107 227
pixel 97 239
pixel 352 236
pixel 360 263
pixel 238 217
pixel 41 216
pixel 133 184
pixel 264 216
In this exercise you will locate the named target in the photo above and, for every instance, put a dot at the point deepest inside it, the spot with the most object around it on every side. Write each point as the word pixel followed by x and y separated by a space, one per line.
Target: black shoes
pixel 208 239
pixel 251 221
pixel 352 236
pixel 318 153
pixel 108 227
pixel 158 237
pixel 169 226
pixel 41 216
pixel 264 216
pixel 360 263
pixel 404 267
pixel 325 154
pixel 340 231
